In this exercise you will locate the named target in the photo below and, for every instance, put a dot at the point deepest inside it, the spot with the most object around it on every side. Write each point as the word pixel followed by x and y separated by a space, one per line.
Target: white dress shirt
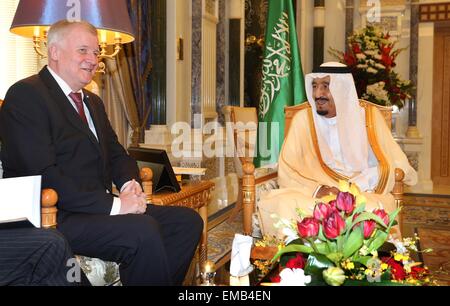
pixel 67 90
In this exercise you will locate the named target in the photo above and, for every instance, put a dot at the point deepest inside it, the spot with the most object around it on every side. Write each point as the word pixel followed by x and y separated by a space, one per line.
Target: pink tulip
pixel 333 204
pixel 334 225
pixel 368 226
pixel 383 215
pixel 345 202
pixel 308 227
pixel 322 211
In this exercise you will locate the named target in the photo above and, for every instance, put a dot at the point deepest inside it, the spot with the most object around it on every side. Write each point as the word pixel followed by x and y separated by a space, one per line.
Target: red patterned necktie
pixel 76 97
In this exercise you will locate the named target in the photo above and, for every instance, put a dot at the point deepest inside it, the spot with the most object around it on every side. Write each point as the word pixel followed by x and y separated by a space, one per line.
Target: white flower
pixel 364 250
pixel 360 56
pixel 290 234
pixel 288 227
pixel 399 245
pixel 371 45
pixel 294 277
pixel 361 66
pixel 371 70
pixel 371 52
pixel 377 90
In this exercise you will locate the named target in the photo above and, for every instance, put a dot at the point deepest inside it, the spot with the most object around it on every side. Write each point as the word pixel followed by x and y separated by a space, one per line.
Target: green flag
pixel 282 81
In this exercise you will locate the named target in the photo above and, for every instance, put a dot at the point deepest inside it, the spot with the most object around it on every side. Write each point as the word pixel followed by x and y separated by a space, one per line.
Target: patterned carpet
pixel 220 239
pixel 437 261
pixel 428 215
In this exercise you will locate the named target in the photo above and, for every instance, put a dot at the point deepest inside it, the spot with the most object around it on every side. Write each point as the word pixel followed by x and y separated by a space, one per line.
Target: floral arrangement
pixel 343 244
pixel 371 57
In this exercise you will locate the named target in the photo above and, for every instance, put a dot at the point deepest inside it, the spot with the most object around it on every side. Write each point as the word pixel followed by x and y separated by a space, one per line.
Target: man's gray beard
pixel 322 113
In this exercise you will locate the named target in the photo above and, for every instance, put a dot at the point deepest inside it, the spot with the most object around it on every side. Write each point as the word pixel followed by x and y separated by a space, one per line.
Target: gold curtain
pixel 122 110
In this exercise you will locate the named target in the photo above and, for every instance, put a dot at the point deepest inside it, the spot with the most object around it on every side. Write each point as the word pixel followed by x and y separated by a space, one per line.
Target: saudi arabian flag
pixel 282 81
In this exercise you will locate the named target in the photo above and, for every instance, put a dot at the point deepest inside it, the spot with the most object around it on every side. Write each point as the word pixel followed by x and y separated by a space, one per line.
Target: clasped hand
pixel 326 190
pixel 132 199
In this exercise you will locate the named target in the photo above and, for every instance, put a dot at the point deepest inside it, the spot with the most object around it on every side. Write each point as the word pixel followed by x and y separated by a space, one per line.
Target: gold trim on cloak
pixel 383 165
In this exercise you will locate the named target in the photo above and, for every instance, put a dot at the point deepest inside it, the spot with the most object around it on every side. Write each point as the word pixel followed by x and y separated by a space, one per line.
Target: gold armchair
pixel 242 133
pixel 250 183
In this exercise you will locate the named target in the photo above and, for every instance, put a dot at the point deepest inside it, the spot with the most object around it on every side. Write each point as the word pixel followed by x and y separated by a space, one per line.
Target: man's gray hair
pixel 60 28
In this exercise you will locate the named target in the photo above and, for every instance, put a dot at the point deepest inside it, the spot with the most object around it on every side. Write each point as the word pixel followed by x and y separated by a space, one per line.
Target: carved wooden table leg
pixel 203 250
pixel 195 196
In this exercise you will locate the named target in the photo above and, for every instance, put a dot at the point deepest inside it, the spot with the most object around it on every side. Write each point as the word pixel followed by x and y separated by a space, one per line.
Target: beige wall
pixel 179 25
pixel 334 27
pixel 305 10
pixel 425 99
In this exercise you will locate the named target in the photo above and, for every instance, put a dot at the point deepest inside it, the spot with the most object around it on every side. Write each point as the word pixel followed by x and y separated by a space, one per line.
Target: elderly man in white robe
pixel 328 141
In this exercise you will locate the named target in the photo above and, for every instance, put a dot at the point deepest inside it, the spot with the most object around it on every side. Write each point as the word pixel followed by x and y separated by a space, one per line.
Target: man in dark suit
pixel 50 125
pixel 32 256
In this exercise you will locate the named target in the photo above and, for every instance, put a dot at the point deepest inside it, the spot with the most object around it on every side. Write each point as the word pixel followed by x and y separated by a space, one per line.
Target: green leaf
pixel 323 248
pixel 362 259
pixel 321 236
pixel 353 243
pixel 379 239
pixel 392 217
pixel 299 248
pixel 369 216
pixel 339 242
pixel 386 276
pixel 359 209
pixel 335 257
pixel 316 263
pixel 394 214
pixel 332 247
pixel 348 222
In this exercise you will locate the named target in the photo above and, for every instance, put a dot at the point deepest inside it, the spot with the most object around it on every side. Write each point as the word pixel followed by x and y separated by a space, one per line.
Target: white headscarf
pixel 350 117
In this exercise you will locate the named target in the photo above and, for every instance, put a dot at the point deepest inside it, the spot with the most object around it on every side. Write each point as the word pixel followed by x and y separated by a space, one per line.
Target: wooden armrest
pixel 397 192
pixel 248 196
pixel 50 198
pixel 146 175
pixel 48 208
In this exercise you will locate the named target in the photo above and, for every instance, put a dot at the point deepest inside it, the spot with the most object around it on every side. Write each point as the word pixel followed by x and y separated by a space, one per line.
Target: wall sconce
pixel 34 17
pixel 252 40
pixel 180 49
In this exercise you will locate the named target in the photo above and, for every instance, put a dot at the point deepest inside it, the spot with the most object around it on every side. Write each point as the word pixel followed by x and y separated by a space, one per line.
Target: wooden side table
pixel 193 195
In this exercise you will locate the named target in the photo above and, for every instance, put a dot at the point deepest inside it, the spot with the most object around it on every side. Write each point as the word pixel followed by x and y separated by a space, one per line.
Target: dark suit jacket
pixel 42 134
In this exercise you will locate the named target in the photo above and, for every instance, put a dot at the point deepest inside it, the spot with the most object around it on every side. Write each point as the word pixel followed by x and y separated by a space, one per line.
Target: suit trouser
pixel 155 248
pixel 33 256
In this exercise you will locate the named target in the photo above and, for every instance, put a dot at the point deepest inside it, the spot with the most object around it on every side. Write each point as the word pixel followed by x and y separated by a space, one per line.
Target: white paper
pixel 20 199
pixel 240 256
